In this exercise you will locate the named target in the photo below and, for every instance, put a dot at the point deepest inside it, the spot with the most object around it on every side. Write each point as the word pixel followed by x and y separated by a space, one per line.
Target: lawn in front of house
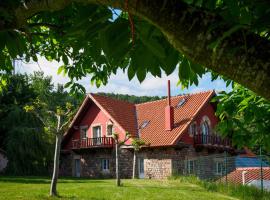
pixel 38 188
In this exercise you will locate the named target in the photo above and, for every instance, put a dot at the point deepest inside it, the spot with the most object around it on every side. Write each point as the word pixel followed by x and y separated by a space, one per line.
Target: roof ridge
pixel 120 100
pixel 181 95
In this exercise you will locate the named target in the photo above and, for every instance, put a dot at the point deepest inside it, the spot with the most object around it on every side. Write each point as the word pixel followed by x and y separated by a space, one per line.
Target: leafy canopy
pixel 245 117
pixel 96 40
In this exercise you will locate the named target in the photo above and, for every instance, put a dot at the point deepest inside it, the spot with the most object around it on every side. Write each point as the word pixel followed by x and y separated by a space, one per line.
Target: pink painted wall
pixel 208 110
pixel 94 117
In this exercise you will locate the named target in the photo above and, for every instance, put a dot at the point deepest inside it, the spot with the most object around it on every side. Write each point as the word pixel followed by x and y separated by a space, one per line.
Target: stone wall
pixel 158 162
pixel 91 163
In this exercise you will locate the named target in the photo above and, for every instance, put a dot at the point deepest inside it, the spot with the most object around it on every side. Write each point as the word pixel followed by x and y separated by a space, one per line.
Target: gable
pixel 99 111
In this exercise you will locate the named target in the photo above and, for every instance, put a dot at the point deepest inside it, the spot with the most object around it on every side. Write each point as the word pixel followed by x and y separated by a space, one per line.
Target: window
pixel 105 165
pixel 191 166
pixel 220 168
pixel 83 132
pixel 181 103
pixel 145 123
pixel 97 135
pixel 193 129
pixel 205 127
pixel 109 130
pixel 96 131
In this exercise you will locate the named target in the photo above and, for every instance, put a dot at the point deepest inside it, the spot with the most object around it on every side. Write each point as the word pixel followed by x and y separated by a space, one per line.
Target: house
pixel 249 170
pixel 174 129
pixel 3 160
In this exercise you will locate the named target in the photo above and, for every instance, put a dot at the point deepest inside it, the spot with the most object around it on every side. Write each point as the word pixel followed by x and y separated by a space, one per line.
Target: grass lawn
pixel 38 188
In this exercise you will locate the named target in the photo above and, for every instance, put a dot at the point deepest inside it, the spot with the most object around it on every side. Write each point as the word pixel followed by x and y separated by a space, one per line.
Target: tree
pixel 245 117
pixel 118 144
pixel 22 135
pixel 230 38
pixel 54 121
pixel 137 143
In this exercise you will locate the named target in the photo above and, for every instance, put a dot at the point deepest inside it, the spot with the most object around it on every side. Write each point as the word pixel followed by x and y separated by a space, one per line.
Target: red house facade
pixel 174 129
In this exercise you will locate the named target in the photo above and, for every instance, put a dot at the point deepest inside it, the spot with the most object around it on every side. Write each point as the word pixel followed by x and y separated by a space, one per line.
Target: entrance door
pixel 77 167
pixel 141 167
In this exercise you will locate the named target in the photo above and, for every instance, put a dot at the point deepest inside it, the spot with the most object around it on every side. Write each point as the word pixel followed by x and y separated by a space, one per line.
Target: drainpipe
pixel 244 177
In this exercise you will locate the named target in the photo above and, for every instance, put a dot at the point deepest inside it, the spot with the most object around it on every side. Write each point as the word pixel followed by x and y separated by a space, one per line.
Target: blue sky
pixel 119 83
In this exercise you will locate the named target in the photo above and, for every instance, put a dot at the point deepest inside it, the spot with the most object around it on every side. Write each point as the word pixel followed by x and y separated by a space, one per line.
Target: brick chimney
pixel 169 115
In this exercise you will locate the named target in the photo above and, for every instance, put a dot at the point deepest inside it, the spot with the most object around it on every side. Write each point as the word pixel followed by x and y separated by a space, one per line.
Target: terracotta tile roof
pixel 251 174
pixel 154 112
pixel 130 117
pixel 122 112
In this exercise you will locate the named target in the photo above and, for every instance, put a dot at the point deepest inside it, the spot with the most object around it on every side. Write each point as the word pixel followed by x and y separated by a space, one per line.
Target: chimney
pixel 169 115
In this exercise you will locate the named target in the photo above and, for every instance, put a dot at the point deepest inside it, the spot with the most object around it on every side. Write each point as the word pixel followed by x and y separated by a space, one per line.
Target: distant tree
pixel 137 144
pixel 132 98
pixel 245 117
pixel 118 144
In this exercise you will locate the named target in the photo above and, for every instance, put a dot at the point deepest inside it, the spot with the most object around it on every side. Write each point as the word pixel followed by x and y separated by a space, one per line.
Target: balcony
pixel 212 141
pixel 93 143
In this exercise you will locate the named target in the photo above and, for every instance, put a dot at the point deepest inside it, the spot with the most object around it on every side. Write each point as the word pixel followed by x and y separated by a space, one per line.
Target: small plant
pixel 118 144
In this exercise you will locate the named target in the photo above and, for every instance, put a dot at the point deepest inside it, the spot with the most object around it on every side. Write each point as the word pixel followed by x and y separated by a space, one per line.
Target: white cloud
pixel 119 83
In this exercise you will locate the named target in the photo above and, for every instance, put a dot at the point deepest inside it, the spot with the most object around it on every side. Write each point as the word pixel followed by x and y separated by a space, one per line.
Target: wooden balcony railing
pixel 212 140
pixel 93 142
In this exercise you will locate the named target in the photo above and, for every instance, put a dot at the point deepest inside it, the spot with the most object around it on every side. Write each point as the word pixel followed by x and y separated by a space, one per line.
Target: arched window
pixel 193 129
pixel 205 126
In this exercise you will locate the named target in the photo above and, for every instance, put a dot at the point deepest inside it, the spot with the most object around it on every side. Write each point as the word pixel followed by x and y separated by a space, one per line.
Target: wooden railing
pixel 213 140
pixel 93 142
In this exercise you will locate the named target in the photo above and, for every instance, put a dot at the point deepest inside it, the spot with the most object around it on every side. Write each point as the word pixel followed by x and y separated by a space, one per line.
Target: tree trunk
pixel 134 164
pixel 53 191
pixel 118 181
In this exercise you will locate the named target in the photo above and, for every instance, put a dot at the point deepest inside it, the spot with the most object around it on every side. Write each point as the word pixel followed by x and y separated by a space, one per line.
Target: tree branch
pixel 244 59
pixel 49 25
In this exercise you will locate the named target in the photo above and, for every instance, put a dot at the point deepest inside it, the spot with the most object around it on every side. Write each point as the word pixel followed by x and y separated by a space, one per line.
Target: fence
pixel 244 170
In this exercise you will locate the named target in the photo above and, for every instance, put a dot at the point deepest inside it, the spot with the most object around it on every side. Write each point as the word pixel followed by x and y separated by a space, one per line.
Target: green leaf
pixel 141 74
pixel 184 69
pixel 131 72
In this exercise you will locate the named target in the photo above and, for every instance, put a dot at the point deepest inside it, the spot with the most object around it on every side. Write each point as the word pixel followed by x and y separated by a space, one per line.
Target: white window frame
pixel 84 127
pixel 193 161
pixel 109 124
pixel 204 120
pixel 191 132
pixel 220 162
pixel 94 126
pixel 105 165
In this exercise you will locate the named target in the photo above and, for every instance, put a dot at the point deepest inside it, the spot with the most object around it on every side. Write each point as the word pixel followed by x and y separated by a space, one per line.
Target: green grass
pixel 38 188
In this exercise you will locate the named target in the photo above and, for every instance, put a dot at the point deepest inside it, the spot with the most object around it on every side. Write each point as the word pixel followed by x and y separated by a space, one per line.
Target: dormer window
pixel 181 103
pixel 193 129
pixel 144 124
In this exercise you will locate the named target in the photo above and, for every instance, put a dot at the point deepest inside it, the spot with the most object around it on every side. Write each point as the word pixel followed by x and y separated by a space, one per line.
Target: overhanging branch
pixel 188 30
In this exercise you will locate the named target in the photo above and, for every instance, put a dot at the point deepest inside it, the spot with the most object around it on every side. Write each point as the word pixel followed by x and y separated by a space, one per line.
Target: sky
pixel 119 83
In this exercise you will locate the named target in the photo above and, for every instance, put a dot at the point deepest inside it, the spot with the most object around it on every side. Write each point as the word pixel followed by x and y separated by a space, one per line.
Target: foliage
pixel 85 36
pixel 131 98
pixel 245 117
pixel 28 144
pixel 137 143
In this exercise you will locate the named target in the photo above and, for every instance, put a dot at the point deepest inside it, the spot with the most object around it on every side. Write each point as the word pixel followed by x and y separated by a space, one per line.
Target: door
pixel 77 167
pixel 141 167
pixel 97 135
